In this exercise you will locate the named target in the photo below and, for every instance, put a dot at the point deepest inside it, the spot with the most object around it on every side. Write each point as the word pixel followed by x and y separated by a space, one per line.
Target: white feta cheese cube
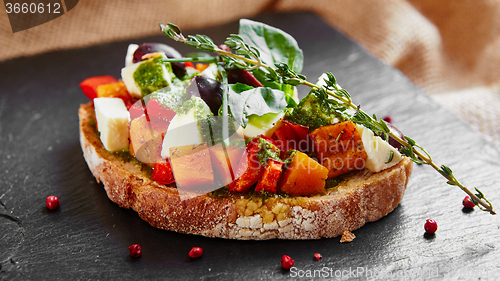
pixel 128 80
pixel 113 121
pixel 378 151
pixel 130 54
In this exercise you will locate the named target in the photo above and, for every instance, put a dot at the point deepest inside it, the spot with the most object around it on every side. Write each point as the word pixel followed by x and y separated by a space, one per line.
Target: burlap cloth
pixel 450 48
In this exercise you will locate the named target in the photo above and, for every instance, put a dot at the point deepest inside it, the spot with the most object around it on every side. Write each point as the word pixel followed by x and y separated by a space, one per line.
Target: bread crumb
pixel 347 237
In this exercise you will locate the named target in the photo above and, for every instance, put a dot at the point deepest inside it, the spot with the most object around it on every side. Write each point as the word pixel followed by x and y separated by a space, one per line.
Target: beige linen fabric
pixel 449 48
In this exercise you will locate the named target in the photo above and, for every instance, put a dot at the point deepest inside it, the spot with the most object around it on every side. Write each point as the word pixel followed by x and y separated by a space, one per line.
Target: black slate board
pixel 88 237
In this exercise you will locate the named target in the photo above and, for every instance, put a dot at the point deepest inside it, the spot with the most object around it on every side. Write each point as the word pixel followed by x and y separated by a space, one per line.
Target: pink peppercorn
pixel 196 252
pixel 135 250
pixel 287 262
pixel 430 226
pixel 468 203
pixel 317 256
pixel 52 202
pixel 387 119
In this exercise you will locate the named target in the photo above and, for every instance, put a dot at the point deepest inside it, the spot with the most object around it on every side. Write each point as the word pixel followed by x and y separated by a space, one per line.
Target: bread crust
pixel 362 198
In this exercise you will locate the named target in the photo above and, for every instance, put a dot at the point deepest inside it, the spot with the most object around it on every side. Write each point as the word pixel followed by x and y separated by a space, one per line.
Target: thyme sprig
pixel 198 59
pixel 245 57
pixel 248 58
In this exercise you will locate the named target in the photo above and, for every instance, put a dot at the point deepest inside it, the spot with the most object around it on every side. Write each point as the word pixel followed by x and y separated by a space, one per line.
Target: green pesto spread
pixel 212 127
pixel 171 97
pixel 332 183
pixel 310 112
pixel 152 75
pixel 289 157
pixel 223 192
pixel 125 156
pixel 267 151
pixel 196 104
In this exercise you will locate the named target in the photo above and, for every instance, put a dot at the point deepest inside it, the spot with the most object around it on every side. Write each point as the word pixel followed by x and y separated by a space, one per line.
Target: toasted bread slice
pixel 361 198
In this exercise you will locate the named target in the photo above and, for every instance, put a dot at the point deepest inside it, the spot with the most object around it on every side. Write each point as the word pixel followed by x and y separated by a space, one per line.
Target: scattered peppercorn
pixel 196 252
pixel 287 262
pixel 135 250
pixel 468 203
pixel 387 119
pixel 318 256
pixel 430 226
pixel 52 202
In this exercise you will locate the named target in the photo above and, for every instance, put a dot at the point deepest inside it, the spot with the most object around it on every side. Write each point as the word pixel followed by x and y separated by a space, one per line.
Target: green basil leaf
pixel 274 44
pixel 288 89
pixel 239 87
pixel 257 101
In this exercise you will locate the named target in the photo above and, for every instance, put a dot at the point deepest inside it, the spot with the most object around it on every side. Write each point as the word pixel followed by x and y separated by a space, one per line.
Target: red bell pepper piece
pixel 291 136
pixel 162 173
pixel 155 109
pixel 135 108
pixel 249 171
pixel 272 174
pixel 256 140
pixel 159 116
pixel 285 138
pixel 300 130
pixel 89 85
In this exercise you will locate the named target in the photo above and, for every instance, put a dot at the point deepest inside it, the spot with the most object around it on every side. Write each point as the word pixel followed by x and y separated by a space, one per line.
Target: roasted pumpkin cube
pixel 192 167
pixel 115 90
pixel 339 148
pixel 145 143
pixel 344 162
pixel 225 162
pixel 303 176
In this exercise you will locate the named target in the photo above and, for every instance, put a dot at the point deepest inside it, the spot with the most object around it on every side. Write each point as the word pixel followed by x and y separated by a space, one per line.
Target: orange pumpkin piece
pixel 339 148
pixel 145 143
pixel 115 90
pixel 269 180
pixel 303 176
pixel 192 167
pixel 225 162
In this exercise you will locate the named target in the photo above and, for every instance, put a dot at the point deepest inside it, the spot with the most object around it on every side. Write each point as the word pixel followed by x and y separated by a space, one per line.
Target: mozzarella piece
pixel 132 86
pixel 378 151
pixel 262 125
pixel 183 129
pixel 113 120
pixel 129 57
pixel 128 80
pixel 211 71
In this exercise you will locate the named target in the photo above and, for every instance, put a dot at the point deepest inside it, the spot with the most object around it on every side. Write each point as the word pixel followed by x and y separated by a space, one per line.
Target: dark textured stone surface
pixel 88 237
